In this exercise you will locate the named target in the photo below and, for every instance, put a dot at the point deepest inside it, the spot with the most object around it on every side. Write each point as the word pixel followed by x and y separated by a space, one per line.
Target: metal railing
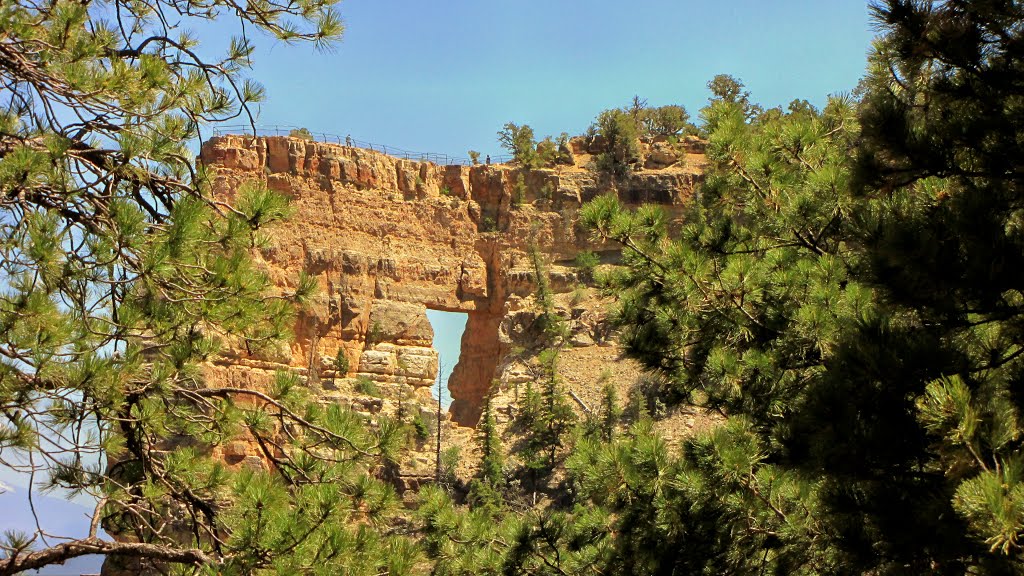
pixel 300 132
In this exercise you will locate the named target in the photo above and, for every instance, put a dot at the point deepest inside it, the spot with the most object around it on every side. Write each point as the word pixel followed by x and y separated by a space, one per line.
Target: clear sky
pixel 448 328
pixel 445 76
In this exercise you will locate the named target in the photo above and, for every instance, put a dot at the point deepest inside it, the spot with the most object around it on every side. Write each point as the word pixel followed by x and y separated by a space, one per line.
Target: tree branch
pixel 60 553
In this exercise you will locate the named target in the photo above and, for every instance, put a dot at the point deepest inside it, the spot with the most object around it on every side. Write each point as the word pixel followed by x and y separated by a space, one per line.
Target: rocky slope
pixel 388 238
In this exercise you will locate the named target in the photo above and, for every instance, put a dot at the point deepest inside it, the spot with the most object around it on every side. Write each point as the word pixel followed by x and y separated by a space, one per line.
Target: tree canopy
pixel 120 274
pixel 846 290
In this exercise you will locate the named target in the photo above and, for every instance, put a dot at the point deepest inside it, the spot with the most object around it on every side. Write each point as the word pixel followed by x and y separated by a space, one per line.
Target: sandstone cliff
pixel 388 239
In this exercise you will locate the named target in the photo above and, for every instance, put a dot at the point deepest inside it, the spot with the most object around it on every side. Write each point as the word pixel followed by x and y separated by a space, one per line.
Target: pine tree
pixel 520 142
pixel 611 412
pixel 486 490
pixel 121 274
pixel 620 129
pixel 545 417
pixel 856 320
pixel 492 458
pixel 737 312
pixel 940 160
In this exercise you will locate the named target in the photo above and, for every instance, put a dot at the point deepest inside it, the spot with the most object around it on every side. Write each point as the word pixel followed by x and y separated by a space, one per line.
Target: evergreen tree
pixel 492 459
pixel 621 131
pixel 120 274
pixel 738 312
pixel 856 321
pixel 544 420
pixel 610 411
pixel 486 489
pixel 940 160
pixel 520 142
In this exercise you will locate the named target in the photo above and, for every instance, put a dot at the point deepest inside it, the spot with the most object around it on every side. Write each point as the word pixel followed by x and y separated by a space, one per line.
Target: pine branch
pixel 227 392
pixel 61 553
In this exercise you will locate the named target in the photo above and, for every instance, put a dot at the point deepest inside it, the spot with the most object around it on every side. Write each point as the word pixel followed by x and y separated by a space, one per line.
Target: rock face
pixel 388 239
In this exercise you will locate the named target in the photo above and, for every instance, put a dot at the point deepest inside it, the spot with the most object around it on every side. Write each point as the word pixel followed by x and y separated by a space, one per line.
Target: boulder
pixel 660 155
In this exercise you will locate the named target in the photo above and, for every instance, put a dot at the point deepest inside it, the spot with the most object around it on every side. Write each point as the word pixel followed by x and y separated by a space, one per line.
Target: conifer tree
pixel 121 274
pixel 486 489
pixel 856 321
pixel 545 417
pixel 621 131
pixel 492 460
pixel 611 412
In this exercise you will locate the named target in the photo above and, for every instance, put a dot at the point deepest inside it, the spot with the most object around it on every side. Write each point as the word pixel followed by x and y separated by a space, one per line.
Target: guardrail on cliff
pixel 298 131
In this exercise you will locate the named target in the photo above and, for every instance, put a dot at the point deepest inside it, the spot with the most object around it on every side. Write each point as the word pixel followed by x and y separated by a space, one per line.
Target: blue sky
pixel 445 76
pixel 448 328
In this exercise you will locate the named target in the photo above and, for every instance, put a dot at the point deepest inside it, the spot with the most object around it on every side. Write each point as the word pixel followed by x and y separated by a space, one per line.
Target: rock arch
pixel 388 238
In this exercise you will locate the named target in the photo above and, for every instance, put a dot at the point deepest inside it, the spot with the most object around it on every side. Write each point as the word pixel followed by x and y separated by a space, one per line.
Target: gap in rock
pixel 448 329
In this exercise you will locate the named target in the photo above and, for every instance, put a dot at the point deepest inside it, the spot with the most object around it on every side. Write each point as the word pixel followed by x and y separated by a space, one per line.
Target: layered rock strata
pixel 387 239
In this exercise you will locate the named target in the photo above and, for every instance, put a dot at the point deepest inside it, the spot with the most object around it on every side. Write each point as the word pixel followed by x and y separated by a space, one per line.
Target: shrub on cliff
pixel 302 133
pixel 528 152
pixel 520 142
pixel 586 263
pixel 621 134
pixel 671 120
pixel 341 364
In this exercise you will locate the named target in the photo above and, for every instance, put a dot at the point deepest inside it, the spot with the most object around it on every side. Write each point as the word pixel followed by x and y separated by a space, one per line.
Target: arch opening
pixel 448 328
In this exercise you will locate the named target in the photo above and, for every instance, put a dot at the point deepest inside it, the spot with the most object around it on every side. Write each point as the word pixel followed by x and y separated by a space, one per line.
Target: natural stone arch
pixel 388 238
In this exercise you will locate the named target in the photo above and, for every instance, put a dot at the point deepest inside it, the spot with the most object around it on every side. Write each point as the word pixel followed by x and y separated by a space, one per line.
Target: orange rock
pixel 388 238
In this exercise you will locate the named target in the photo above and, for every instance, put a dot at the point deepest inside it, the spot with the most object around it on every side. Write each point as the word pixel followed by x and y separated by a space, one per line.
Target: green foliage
pixel 621 132
pixel 579 294
pixel 727 89
pixel 550 323
pixel 519 192
pixel 341 362
pixel 623 128
pixel 302 133
pixel 485 491
pixel 729 92
pixel 564 154
pixel 450 459
pixel 420 427
pixel 520 142
pixel 545 417
pixel 547 151
pixel 670 120
pixel 375 334
pixel 123 278
pixel 611 412
pixel 547 192
pixel 365 385
pixel 492 459
pixel 527 151
pixel 761 290
pixel 474 157
pixel 846 290
pixel 831 291
pixel 586 262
